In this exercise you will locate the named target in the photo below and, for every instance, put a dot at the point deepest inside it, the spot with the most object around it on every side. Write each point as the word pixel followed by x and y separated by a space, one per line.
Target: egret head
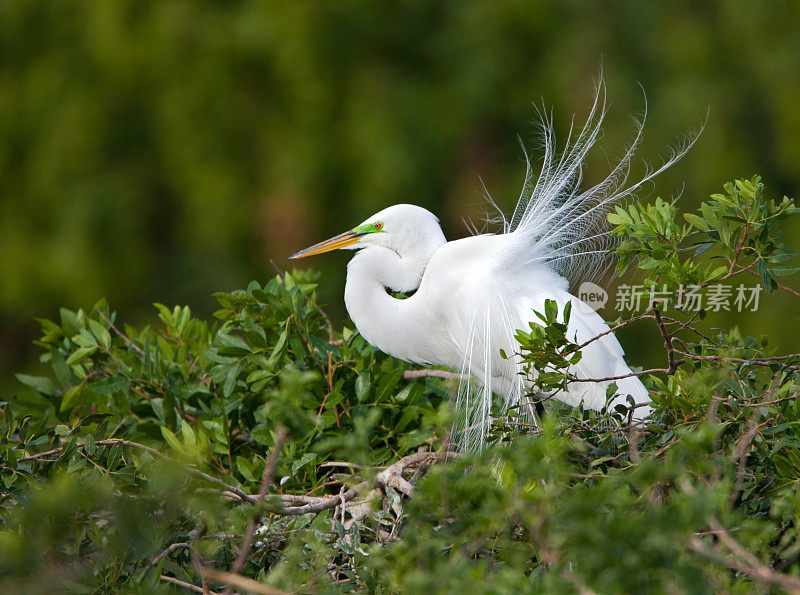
pixel 401 228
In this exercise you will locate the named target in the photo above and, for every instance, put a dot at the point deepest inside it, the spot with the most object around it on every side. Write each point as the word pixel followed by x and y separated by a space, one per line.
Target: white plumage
pixel 472 294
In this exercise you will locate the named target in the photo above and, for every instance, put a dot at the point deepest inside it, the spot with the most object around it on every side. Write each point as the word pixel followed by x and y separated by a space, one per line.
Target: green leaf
pixel 69 398
pixel 189 438
pixel 387 385
pixel 80 355
pixel 230 380
pixel 363 382
pixel 233 345
pixel 61 369
pixel 111 385
pixel 100 332
pixel 245 468
pixel 42 384
pixel 171 439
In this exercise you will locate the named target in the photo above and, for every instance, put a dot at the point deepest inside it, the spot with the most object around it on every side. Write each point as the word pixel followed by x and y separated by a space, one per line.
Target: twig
pixel 673 366
pixel 237 580
pixel 114 441
pixel 756 361
pixel 743 444
pixel 791 397
pixel 171 548
pixel 391 476
pixel 121 334
pixel 323 503
pixel 343 464
pixel 184 584
pixel 778 285
pixel 642 316
pixel 266 483
pixel 751 566
pixel 573 378
pixel 411 374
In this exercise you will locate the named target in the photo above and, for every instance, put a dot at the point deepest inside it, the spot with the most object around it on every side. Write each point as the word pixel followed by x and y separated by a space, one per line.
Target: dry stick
pixel 756 361
pixel 266 483
pixel 743 444
pixel 740 455
pixel 667 343
pixel 196 560
pixel 751 566
pixel 184 584
pixel 391 476
pixel 240 581
pixel 197 563
pixel 114 441
pixel 324 503
pixel 343 464
pixel 172 547
pixel 412 374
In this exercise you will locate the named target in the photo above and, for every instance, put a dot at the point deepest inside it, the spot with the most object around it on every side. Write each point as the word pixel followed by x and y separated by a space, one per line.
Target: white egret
pixel 472 294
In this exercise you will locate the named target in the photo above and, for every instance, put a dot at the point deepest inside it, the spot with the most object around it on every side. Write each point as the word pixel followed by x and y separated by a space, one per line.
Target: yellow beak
pixel 347 238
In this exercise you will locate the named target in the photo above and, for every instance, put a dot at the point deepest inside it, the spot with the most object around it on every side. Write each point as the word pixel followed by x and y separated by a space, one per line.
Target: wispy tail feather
pixel 559 224
pixel 557 232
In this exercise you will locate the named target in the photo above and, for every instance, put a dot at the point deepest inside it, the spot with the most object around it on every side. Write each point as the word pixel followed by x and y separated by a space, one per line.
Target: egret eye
pixel 378 226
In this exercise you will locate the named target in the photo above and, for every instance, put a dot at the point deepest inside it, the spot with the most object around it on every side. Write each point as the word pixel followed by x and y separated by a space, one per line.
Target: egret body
pixel 470 295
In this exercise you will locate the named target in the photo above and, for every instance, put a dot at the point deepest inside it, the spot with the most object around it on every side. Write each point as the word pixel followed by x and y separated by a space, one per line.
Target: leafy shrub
pixel 266 446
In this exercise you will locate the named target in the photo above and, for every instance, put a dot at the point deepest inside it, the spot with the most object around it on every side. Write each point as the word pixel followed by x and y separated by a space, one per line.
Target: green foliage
pixel 209 395
pixel 740 227
pixel 547 351
pixel 134 461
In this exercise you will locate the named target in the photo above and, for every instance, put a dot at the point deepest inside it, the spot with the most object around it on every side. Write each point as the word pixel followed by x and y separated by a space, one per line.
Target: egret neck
pixel 380 317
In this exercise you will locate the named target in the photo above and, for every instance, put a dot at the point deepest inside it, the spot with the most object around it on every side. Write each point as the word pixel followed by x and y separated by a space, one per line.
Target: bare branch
pixel 114 441
pixel 171 548
pixel 184 584
pixel 237 580
pixel 266 483
pixel 671 363
pixel 750 566
pixel 411 374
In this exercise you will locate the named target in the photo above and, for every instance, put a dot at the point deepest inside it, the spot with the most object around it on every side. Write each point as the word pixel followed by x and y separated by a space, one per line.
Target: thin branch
pixel 412 374
pixel 756 361
pixel 114 441
pixel 573 378
pixel 750 566
pixel 391 476
pixel 171 548
pixel 322 503
pixel 343 464
pixel 184 584
pixel 671 363
pixel 743 444
pixel 778 285
pixel 237 580
pixel 642 316
pixel 121 334
pixel 266 483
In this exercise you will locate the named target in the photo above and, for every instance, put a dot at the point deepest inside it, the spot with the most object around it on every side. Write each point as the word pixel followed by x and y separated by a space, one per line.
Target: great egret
pixel 472 294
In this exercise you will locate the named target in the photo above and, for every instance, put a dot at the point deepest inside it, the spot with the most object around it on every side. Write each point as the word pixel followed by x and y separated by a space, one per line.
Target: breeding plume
pixel 470 295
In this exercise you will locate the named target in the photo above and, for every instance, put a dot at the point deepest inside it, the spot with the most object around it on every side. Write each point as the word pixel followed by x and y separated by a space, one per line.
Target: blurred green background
pixel 161 151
